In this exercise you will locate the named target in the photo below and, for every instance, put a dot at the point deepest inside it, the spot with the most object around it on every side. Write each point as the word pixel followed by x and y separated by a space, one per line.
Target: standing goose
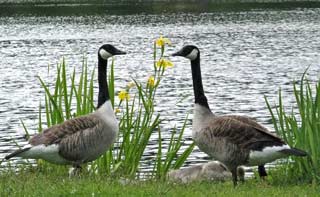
pixel 232 140
pixel 82 139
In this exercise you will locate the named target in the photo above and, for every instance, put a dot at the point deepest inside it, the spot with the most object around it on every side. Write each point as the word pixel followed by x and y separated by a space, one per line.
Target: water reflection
pixel 244 56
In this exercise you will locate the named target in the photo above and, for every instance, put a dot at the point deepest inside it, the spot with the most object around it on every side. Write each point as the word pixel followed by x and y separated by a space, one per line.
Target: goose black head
pixel 189 51
pixel 108 50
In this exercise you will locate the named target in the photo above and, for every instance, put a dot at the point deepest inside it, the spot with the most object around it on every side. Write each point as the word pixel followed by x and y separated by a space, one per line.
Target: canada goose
pixel 211 171
pixel 233 140
pixel 81 139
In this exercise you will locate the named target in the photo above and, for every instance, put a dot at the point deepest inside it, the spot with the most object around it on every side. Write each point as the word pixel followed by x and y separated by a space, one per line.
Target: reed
pixel 138 120
pixel 300 128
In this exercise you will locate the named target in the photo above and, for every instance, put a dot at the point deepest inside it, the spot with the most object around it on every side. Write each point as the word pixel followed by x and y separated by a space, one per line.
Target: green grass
pixel 300 128
pixel 44 183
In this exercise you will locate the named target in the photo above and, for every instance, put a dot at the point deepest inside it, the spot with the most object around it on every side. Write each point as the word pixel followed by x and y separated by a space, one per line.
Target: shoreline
pixel 144 2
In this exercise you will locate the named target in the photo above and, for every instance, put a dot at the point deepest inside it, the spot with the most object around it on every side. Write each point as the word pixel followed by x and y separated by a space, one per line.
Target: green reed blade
pixel 85 89
pixel 90 107
pixel 47 108
pixel 65 90
pixel 71 92
pixel 39 117
pixel 80 90
pixel 183 157
pixel 52 100
pixel 25 130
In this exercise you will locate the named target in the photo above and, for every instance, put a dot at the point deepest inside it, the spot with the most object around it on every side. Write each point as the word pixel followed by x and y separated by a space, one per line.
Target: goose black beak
pixel 118 52
pixel 176 54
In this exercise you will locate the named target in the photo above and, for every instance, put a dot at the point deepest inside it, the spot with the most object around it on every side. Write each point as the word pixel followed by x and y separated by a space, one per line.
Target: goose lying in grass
pixel 231 139
pixel 211 171
pixel 82 139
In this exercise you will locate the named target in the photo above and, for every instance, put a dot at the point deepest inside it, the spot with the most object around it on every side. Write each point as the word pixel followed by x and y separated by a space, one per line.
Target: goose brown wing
pixel 58 132
pixel 253 123
pixel 75 147
pixel 243 132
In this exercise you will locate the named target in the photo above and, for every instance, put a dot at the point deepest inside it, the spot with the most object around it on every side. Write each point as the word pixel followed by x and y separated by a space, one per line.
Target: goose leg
pixel 262 172
pixel 241 173
pixel 234 176
pixel 75 171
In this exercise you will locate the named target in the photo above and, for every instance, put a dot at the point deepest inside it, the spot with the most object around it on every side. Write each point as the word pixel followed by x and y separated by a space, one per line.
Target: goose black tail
pixel 295 152
pixel 16 153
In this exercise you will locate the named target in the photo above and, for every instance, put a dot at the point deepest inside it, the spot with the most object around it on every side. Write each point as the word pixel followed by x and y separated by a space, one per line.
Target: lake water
pixel 244 56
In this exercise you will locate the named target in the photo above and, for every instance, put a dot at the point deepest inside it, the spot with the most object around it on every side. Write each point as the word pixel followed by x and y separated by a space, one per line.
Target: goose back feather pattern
pixel 231 138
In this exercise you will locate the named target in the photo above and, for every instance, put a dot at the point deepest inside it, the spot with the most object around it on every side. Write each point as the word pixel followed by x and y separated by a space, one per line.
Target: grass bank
pixel 43 183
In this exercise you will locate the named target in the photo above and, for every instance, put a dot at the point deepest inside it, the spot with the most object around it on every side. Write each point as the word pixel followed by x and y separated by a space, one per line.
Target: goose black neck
pixel 102 80
pixel 199 96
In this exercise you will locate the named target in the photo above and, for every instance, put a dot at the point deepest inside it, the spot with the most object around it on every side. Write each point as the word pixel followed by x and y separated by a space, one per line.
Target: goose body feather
pixel 235 139
pixel 77 140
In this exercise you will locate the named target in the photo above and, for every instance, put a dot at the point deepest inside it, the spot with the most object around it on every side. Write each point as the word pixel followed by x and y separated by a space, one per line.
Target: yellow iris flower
pixel 117 110
pixel 162 41
pixel 130 85
pixel 151 81
pixel 164 63
pixel 123 94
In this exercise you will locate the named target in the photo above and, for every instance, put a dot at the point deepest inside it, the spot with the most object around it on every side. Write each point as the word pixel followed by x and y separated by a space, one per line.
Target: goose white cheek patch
pixel 104 54
pixel 193 55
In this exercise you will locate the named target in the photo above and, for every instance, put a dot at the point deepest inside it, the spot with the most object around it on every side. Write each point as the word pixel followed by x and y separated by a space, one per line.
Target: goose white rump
pixel 266 155
pixel 49 153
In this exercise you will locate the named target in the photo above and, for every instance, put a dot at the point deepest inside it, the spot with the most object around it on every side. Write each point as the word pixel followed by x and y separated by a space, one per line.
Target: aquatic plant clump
pixel 301 129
